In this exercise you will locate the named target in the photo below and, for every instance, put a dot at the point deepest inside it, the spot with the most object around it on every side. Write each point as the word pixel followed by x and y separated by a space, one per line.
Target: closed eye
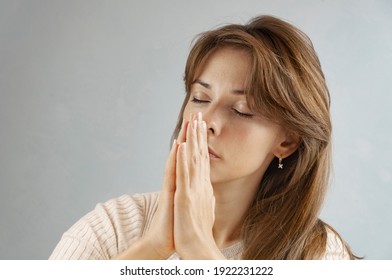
pixel 195 100
pixel 243 115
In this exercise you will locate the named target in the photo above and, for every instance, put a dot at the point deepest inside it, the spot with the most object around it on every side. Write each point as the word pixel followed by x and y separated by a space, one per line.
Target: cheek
pixel 187 112
pixel 253 146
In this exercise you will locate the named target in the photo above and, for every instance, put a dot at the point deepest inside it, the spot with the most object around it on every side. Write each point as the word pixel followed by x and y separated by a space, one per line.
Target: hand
pixel 194 201
pixel 158 243
pixel 160 233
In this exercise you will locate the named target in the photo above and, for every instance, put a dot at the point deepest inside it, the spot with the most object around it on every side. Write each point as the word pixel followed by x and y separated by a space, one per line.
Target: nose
pixel 212 119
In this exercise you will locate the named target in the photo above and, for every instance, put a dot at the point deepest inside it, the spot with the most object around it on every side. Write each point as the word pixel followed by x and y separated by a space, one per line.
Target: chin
pixel 216 180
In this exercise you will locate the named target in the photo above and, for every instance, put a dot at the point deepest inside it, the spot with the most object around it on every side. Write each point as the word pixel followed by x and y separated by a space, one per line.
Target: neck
pixel 232 201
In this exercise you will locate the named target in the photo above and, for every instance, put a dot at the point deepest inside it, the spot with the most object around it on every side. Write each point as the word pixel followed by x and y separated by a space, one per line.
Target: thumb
pixel 169 178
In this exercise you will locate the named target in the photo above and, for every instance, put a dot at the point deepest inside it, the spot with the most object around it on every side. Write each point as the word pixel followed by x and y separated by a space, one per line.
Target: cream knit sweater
pixel 113 226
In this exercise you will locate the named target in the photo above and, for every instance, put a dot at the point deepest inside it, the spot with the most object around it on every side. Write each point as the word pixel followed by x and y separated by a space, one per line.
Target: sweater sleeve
pixel 107 230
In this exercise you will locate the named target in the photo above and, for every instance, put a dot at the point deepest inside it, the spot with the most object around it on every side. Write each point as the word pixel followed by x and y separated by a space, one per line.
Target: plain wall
pixel 90 92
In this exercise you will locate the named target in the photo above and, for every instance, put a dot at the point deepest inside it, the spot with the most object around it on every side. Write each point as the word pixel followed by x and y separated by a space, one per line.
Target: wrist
pixel 155 248
pixel 201 251
pixel 142 249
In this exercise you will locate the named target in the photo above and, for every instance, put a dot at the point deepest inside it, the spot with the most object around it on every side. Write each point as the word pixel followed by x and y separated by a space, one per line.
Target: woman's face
pixel 242 144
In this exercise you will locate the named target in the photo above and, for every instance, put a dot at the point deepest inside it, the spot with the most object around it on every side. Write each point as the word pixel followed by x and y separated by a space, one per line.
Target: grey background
pixel 90 91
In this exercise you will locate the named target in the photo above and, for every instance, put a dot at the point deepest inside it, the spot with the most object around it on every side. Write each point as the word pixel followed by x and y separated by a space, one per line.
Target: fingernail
pixel 199 116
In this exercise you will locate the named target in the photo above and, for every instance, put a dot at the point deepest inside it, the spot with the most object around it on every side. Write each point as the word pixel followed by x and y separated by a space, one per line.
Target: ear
pixel 287 146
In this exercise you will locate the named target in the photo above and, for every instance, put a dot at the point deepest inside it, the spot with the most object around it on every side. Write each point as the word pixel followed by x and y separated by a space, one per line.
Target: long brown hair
pixel 287 86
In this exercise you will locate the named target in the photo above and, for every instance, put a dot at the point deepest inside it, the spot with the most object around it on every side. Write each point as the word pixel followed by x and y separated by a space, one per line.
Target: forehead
pixel 225 64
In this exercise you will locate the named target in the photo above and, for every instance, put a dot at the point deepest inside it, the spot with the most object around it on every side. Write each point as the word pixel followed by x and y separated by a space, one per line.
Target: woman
pixel 248 171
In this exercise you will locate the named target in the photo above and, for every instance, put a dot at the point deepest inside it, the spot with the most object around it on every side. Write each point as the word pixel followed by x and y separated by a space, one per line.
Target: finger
pixel 170 170
pixel 193 151
pixel 203 145
pixel 182 134
pixel 191 136
pixel 182 174
pixel 213 207
pixel 202 135
pixel 190 125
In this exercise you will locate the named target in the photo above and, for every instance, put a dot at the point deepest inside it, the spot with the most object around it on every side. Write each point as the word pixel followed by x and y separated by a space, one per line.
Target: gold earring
pixel 280 165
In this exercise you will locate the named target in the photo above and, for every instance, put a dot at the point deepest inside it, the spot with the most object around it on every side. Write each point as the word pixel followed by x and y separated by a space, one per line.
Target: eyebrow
pixel 208 86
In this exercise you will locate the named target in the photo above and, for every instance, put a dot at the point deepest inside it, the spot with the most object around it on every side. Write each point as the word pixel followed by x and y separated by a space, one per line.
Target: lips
pixel 212 153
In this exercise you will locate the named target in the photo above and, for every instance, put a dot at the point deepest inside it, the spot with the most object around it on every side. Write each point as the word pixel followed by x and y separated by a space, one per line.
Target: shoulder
pixel 335 248
pixel 108 229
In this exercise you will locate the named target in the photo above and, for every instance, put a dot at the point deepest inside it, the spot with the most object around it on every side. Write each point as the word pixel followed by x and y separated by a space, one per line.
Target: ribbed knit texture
pixel 113 226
